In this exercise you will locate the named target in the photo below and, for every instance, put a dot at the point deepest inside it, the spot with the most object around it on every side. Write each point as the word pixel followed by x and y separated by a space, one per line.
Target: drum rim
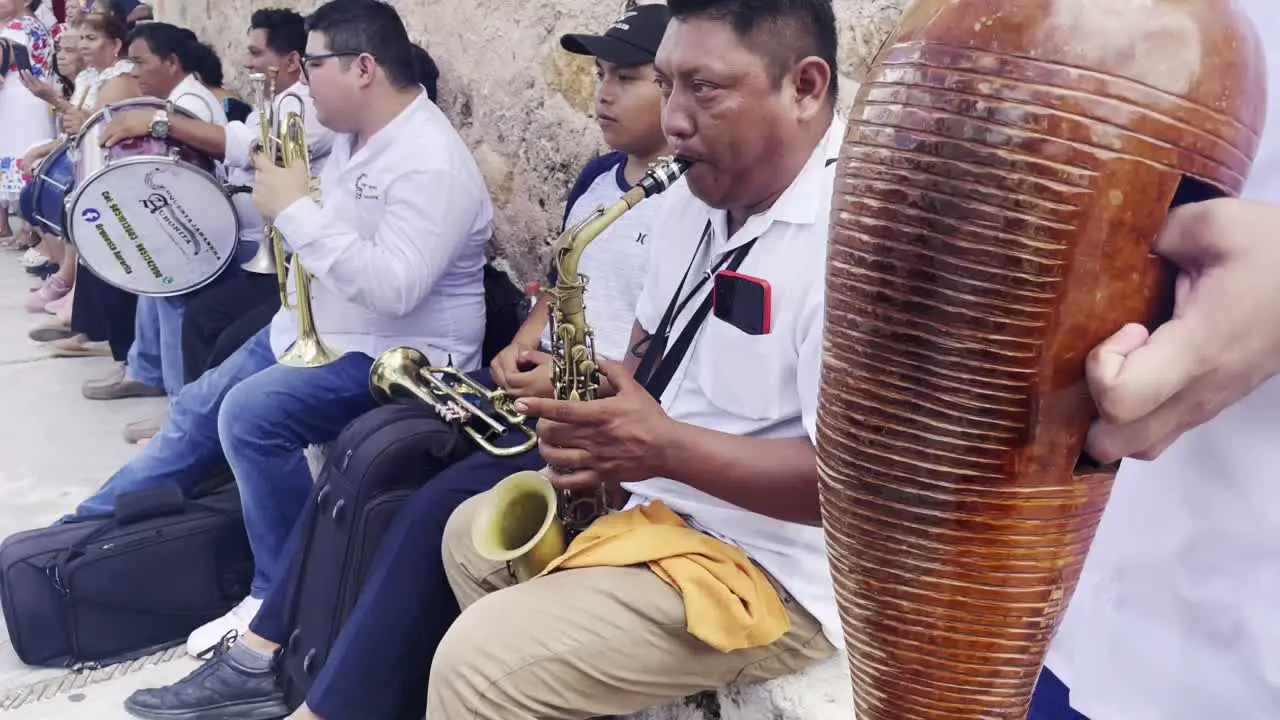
pixel 83 185
pixel 41 180
pixel 97 115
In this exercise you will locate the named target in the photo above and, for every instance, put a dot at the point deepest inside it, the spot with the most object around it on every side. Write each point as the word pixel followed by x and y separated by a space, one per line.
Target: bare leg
pixel 66 260
pixel 52 248
pixel 304 713
pixel 262 645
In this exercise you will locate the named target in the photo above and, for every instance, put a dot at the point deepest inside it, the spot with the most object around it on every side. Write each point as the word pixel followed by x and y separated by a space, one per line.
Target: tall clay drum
pixel 1007 165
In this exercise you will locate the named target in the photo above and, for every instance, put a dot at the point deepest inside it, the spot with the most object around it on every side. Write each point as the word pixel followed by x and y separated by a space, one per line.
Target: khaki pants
pixel 583 643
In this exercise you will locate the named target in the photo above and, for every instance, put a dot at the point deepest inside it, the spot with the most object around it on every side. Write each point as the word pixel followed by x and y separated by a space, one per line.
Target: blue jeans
pixel 1052 700
pixel 260 416
pixel 146 355
pixel 156 355
pixel 379 665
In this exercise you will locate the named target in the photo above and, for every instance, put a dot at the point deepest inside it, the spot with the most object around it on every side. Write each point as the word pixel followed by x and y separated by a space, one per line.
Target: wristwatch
pixel 160 125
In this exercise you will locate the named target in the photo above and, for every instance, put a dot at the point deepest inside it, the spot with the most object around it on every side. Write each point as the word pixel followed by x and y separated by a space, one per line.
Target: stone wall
pixel 522 103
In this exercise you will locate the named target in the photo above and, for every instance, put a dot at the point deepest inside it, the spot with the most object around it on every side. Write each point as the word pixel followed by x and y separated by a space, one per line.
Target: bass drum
pixel 43 200
pixel 148 215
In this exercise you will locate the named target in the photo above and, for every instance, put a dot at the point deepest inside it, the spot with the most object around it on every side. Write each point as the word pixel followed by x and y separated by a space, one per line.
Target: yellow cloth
pixel 729 603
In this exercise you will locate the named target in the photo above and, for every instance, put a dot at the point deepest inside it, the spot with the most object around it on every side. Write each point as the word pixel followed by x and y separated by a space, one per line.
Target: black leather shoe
pixel 220 689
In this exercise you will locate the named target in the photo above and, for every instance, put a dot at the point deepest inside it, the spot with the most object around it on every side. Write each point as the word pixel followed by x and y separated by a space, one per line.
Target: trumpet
pixel 287 133
pixel 405 371
pixel 523 520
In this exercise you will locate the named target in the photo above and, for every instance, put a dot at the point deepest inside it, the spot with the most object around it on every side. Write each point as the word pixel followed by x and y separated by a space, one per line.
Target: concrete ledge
pixel 823 692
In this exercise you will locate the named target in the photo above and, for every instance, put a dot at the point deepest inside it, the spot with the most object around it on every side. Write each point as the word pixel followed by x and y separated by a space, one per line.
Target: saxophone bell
pixel 518 523
pixel 524 521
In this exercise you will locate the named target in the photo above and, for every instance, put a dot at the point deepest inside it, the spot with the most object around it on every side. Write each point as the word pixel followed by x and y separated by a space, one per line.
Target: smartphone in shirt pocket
pixel 743 301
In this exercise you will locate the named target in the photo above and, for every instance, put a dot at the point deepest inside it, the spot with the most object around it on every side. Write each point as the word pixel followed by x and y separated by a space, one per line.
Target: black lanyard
pixel 657 366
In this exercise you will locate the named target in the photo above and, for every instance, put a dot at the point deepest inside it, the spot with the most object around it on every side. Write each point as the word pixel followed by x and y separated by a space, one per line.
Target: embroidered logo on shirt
pixel 642 238
pixel 365 190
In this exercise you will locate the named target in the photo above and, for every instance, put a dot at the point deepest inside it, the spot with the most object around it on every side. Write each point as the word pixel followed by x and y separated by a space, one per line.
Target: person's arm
pixel 427 217
pixel 210 139
pixel 775 477
pixel 529 336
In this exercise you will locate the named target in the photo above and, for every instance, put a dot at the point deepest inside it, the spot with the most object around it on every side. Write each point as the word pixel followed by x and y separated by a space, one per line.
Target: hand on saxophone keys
pixel 276 188
pixel 614 439
pixel 523 372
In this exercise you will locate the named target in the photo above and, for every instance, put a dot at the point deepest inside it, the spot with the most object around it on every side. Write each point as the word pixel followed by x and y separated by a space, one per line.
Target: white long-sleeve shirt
pixel 396 244
pixel 241 137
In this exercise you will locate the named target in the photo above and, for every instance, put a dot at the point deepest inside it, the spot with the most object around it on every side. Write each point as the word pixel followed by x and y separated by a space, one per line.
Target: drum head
pixel 153 226
pixel 51 183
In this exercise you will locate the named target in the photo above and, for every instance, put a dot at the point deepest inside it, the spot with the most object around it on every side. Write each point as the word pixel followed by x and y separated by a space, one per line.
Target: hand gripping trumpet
pixel 523 520
pixel 288 134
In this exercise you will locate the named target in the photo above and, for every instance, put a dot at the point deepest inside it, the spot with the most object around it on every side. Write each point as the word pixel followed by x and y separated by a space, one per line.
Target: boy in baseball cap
pixel 628 109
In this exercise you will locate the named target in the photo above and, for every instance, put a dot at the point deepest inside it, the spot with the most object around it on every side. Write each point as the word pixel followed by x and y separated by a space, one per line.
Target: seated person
pixel 397 259
pixel 379 664
pixel 277 38
pixel 736 587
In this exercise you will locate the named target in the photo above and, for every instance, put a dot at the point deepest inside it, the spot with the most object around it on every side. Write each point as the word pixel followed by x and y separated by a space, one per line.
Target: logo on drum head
pixel 167 280
pixel 155 202
pixel 91 215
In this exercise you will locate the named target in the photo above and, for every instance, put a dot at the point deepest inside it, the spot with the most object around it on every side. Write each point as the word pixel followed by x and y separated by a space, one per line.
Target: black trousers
pixel 223 316
pixel 103 312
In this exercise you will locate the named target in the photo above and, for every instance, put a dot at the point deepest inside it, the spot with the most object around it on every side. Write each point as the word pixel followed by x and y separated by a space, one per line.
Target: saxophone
pixel 523 520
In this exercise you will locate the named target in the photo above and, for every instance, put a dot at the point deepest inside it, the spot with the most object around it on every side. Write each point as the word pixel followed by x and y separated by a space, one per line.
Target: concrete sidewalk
pixel 57 448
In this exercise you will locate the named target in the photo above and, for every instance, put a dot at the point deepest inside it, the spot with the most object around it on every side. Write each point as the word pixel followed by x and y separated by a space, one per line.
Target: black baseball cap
pixel 632 40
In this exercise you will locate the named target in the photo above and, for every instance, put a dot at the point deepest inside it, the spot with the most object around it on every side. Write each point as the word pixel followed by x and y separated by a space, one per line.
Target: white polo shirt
pixel 191 95
pixel 1177 615
pixel 396 244
pixel 762 386
pixel 238 156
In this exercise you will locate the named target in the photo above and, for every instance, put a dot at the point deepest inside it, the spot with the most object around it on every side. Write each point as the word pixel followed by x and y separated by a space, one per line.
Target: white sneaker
pixel 33 258
pixel 210 634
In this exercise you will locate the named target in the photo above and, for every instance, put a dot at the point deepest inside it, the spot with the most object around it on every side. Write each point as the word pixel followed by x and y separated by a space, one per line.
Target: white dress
pixel 26 119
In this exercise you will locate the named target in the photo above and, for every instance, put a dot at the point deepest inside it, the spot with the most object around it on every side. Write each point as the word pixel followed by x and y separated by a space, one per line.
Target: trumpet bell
pixel 517 523
pixel 394 369
pixel 263 262
pixel 308 351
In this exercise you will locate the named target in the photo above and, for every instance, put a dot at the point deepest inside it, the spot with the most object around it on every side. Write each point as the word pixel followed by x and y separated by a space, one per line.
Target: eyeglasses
pixel 313 61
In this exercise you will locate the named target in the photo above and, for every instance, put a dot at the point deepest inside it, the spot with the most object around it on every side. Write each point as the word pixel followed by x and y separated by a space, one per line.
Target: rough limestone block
pixel 522 103
pixel 820 693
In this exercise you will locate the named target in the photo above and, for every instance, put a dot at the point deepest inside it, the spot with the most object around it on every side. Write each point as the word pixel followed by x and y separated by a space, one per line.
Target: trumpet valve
pixel 453 413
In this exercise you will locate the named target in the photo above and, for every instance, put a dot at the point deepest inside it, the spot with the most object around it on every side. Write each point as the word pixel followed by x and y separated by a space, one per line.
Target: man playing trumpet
pixel 395 248
pixel 244 300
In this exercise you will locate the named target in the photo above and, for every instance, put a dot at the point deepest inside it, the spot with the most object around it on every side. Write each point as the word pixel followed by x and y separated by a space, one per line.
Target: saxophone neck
pixel 572 242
